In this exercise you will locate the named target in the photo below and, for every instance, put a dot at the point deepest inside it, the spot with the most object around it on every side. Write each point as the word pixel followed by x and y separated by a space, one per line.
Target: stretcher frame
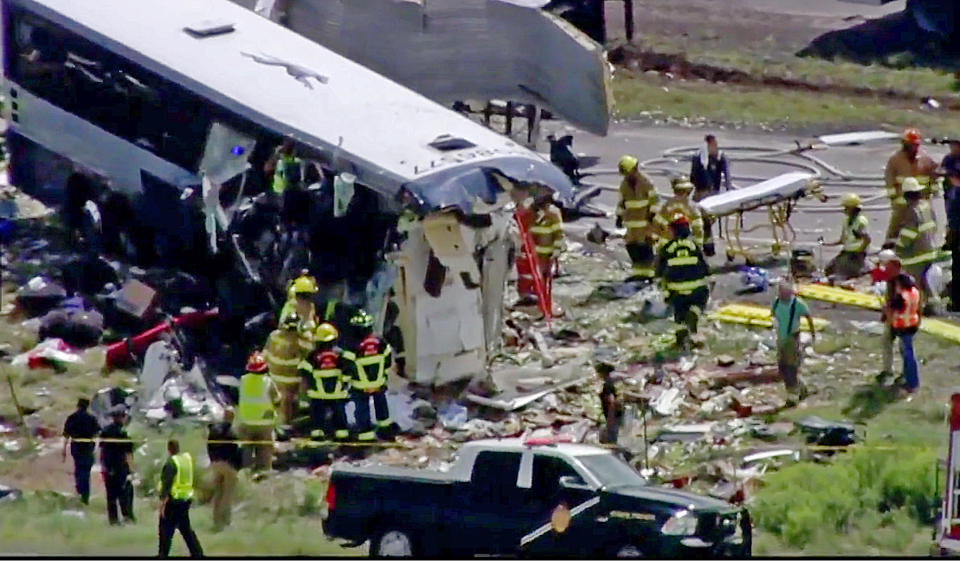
pixel 779 210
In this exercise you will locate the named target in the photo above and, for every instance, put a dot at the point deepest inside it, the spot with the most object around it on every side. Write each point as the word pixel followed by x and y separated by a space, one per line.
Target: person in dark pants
pixel 81 425
pixel 116 458
pixel 951 189
pixel 225 462
pixel 953 225
pixel 611 404
pixel 710 174
pixel 176 494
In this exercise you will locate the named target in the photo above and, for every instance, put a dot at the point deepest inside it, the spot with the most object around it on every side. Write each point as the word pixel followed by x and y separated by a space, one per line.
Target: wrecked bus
pixel 160 117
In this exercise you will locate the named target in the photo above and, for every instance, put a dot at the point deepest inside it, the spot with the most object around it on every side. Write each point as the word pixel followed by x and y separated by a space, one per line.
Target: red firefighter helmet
pixel 256 363
pixel 912 136
pixel 679 219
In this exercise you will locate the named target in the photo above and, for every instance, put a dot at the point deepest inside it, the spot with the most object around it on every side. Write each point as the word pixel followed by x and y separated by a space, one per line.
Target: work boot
pixel 709 250
pixel 683 338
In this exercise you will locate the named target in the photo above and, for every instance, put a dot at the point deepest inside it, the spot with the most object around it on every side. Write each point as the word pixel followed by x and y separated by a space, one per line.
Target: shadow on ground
pixel 897 39
pixel 869 401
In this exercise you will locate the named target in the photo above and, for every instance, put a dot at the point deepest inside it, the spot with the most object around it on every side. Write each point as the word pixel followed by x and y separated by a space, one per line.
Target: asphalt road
pixel 811 220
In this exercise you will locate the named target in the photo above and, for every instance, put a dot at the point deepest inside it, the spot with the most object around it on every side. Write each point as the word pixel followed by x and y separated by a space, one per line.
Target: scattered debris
pixel 53 353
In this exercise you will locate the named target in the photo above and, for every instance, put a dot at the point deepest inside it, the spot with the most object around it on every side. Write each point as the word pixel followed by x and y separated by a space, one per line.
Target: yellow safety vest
pixel 547 233
pixel 255 407
pixel 280 173
pixel 364 381
pixel 182 488
pixel 340 385
pixel 852 243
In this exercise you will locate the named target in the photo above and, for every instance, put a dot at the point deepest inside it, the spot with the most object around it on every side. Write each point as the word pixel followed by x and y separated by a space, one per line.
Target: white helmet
pixel 887 256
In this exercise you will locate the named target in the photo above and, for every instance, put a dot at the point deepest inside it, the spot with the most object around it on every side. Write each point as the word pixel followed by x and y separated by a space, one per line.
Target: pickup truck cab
pixel 539 498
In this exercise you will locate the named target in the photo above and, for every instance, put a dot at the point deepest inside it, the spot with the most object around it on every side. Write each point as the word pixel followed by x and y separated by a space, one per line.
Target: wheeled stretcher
pixel 778 195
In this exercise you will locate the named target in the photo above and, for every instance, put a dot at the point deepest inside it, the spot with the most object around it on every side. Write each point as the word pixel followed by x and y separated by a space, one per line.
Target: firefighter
pixel 635 212
pixel 256 413
pixel 300 295
pixel 284 167
pixel 371 359
pixel 327 373
pixel 683 271
pixel 547 235
pixel 911 234
pixel 283 352
pixel 854 241
pixel 680 203
pixel 909 161
pixel 526 289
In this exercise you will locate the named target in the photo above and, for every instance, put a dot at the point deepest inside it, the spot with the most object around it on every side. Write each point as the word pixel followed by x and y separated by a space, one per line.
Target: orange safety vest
pixel 909 316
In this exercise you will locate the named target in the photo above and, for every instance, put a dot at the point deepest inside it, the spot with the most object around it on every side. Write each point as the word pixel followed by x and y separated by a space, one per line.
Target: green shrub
pixel 866 489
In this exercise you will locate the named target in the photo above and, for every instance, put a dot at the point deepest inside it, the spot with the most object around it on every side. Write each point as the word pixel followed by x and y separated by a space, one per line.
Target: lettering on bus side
pixel 462 157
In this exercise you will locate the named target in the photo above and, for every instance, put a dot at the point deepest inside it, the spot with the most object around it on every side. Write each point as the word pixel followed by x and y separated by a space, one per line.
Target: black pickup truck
pixel 510 497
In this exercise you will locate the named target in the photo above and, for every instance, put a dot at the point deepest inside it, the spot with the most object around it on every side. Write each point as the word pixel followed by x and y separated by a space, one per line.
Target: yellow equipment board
pixel 940 328
pixel 840 296
pixel 756 316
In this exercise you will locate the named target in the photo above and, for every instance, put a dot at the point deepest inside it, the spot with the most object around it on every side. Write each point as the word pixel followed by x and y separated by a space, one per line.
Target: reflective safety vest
pixel 915 242
pixel 284 352
pixel 256 405
pixel 287 172
pixel 682 266
pixel 686 207
pixel 547 233
pixel 372 360
pixel 638 203
pixel 328 377
pixel 856 225
pixel 182 488
pixel 909 316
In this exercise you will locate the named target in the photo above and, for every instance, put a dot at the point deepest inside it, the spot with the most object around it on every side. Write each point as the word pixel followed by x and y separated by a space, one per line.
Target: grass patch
pixel 896 74
pixel 639 96
pixel 878 496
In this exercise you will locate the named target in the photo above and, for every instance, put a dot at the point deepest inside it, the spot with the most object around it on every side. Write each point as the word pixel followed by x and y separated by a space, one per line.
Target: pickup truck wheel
pixel 392 543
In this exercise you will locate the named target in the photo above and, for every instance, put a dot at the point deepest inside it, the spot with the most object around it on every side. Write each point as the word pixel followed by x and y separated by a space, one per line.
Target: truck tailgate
pixel 369 498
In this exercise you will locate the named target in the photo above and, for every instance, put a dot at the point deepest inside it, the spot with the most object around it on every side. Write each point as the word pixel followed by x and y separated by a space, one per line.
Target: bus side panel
pixel 90 147
pixel 35 170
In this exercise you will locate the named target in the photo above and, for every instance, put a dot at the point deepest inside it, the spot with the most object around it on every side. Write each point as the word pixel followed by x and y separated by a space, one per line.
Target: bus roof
pixel 295 87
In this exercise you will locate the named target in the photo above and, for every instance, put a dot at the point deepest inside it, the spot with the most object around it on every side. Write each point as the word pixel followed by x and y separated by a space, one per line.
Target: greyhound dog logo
pixel 300 73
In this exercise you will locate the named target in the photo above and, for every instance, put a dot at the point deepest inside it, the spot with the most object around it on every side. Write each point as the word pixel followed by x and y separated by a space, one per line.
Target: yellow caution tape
pixel 840 296
pixel 759 316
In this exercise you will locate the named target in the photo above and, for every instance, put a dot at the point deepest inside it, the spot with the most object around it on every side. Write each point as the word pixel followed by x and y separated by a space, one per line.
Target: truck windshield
pixel 611 471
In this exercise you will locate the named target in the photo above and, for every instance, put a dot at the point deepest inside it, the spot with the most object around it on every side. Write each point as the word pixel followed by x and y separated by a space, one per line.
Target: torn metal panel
pixel 470 49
